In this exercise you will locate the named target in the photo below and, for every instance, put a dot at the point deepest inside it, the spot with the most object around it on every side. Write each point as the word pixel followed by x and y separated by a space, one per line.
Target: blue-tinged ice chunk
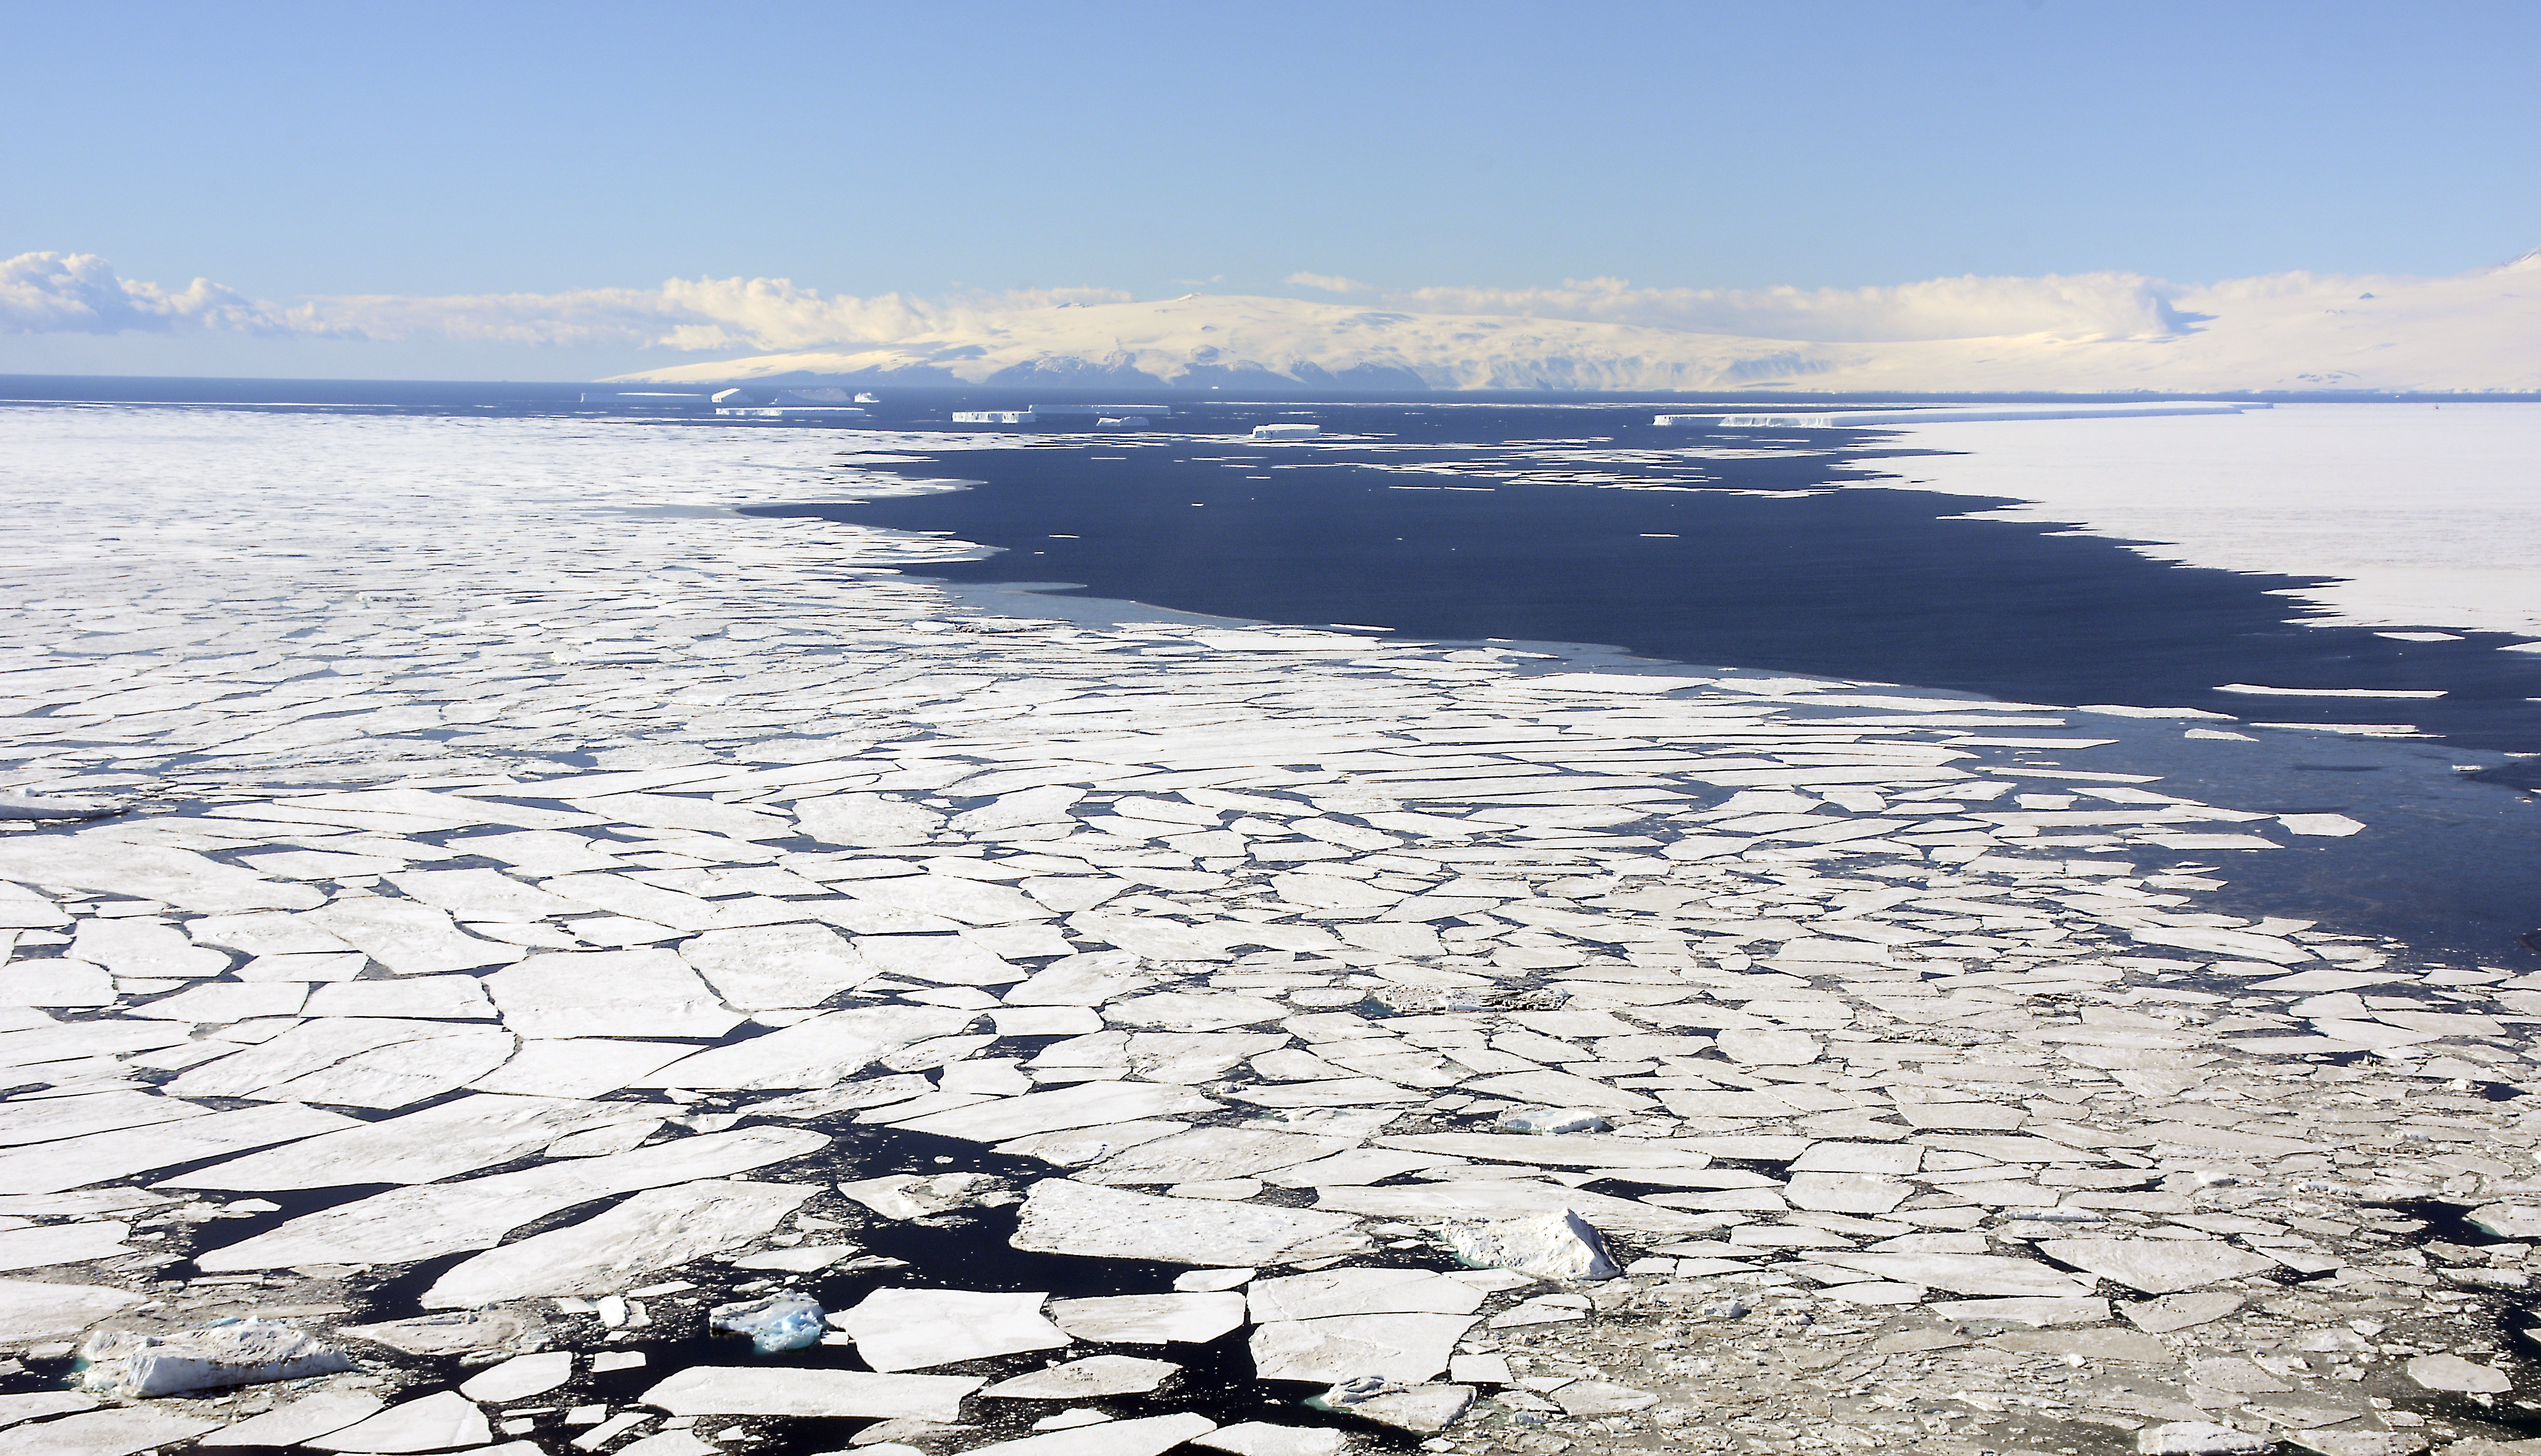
pixel 774 1325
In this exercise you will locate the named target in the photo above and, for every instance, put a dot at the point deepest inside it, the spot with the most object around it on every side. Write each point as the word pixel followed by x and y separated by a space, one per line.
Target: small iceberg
pixel 133 1367
pixel 774 1325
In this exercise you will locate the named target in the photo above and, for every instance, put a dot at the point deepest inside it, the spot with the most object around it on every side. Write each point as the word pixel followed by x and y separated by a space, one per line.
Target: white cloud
pixel 2097 330
pixel 1327 282
pixel 79 293
pixel 55 293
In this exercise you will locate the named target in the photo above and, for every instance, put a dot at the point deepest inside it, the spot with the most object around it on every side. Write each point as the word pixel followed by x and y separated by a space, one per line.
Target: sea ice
pixel 1190 1318
pixel 608 994
pixel 774 1324
pixel 113 1431
pixel 1062 1216
pixel 904 1196
pixel 518 1378
pixel 53 1167
pixel 660 1228
pixel 1551 1246
pixel 1260 1438
pixel 1413 1408
pixel 1148 1435
pixel 302 1420
pixel 743 1390
pixel 913 1329
pixel 816 1053
pixel 132 1366
pixel 408 1225
pixel 2154 1266
pixel 467 1132
pixel 1096 1375
pixel 434 1423
pixel 760 967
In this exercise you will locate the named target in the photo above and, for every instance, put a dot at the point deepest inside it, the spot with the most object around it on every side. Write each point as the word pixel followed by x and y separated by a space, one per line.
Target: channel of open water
pixel 1546 529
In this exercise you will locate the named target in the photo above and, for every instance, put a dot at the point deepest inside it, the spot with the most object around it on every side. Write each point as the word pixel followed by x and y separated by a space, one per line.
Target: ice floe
pixel 524 958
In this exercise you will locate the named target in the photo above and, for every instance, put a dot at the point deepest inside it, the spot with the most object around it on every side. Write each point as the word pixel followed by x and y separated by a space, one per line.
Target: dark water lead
pixel 1882 585
pixel 1773 566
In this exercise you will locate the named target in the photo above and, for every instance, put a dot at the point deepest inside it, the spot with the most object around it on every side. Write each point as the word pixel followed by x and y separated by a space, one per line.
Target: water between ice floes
pixel 1432 524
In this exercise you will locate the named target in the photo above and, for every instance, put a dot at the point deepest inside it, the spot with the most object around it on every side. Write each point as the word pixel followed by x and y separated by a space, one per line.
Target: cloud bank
pixel 80 293
pixel 51 292
pixel 2479 331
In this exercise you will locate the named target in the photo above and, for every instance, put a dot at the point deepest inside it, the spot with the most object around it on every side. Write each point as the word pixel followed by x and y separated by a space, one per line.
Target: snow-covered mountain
pixel 2477 332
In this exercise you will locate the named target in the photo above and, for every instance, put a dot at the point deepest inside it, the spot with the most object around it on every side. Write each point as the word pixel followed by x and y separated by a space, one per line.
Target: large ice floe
pixel 563 969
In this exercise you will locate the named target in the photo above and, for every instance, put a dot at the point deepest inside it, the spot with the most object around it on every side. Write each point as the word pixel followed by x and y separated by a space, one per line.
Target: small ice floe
pixel 461 1332
pixel 435 1422
pixel 2156 1266
pixel 914 1328
pixel 1286 431
pixel 1096 1375
pixel 1063 1216
pixel 774 1324
pixel 1556 1246
pixel 1415 1408
pixel 523 1376
pixel 2179 1311
pixel 2452 1372
pixel 1260 1438
pixel 1193 1318
pixel 2254 689
pixel 660 1228
pixel 907 1195
pixel 1600 1398
pixel 744 1390
pixel 2507 1220
pixel 1148 1435
pixel 1337 1324
pixel 1551 1119
pixel 39 809
pixel 2197 1439
pixel 132 1366
pixel 304 1419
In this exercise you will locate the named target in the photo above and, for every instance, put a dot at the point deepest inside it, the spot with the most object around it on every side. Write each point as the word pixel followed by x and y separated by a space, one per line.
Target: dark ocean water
pixel 1684 550
pixel 1759 561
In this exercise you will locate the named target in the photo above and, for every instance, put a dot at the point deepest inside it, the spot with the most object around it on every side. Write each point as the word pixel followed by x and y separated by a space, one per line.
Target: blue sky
pixel 294 150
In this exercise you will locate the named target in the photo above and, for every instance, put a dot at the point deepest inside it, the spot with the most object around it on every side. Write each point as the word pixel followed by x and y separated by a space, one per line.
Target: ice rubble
pixel 557 908
pixel 234 1352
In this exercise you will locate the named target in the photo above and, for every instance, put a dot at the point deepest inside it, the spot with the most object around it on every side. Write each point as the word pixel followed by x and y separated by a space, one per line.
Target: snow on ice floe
pixel 2423 515
pixel 1455 1038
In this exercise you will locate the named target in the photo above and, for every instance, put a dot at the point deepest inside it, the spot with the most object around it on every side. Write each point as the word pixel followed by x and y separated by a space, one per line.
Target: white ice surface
pixel 727 1390
pixel 2430 514
pixel 660 1228
pixel 1843 964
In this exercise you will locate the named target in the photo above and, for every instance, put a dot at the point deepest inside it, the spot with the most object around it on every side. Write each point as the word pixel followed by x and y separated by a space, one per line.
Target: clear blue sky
pixel 286 149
